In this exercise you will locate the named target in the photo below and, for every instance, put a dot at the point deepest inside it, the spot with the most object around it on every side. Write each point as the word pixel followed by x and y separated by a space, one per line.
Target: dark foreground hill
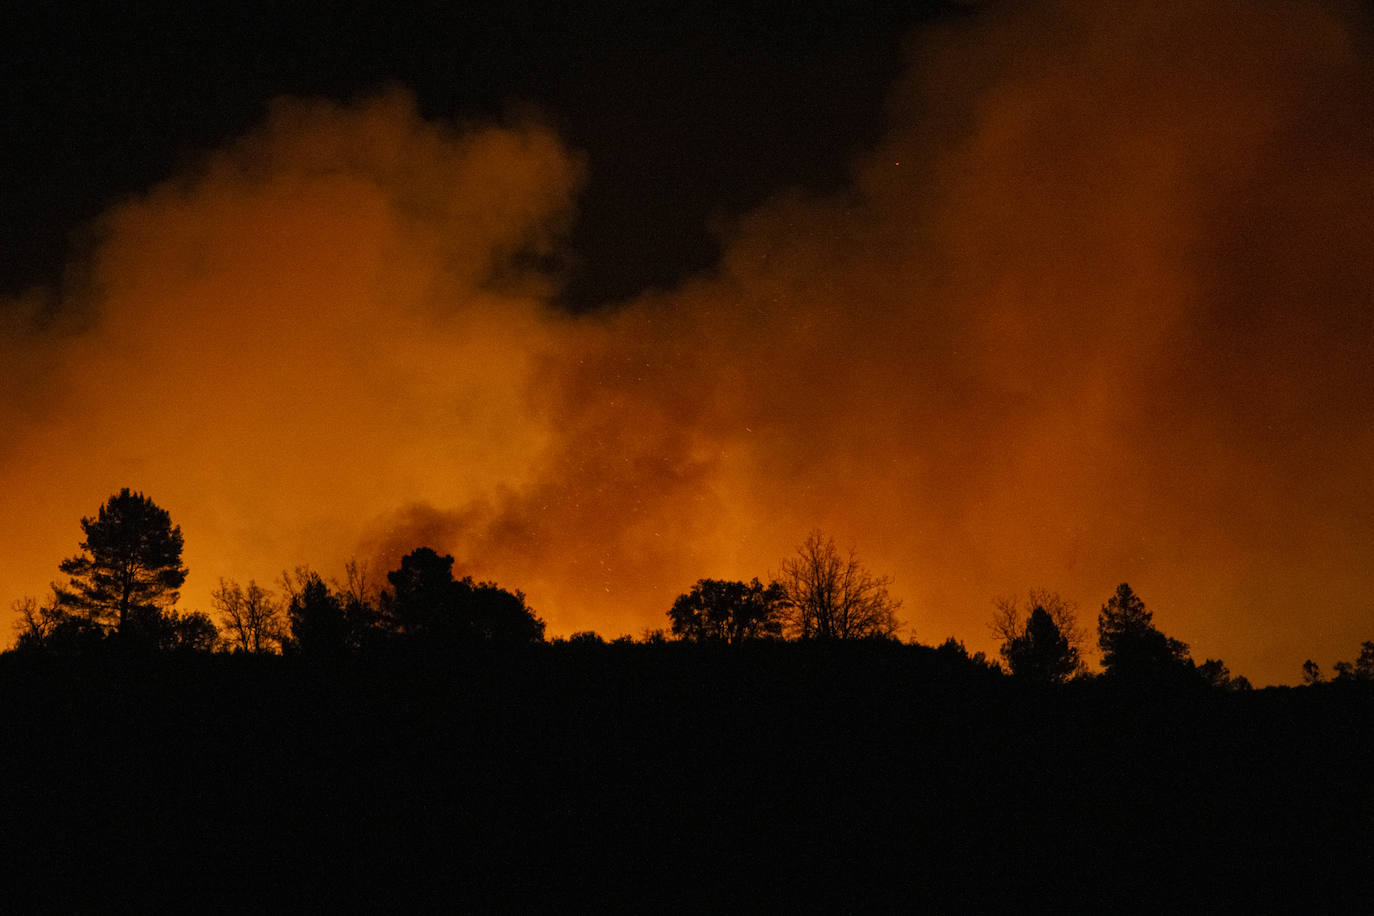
pixel 646 777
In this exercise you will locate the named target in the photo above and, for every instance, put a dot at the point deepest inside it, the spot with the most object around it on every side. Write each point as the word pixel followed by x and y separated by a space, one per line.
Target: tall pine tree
pixel 1132 649
pixel 130 568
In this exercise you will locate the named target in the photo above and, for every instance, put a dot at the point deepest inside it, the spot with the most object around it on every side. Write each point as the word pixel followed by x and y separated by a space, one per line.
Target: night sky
pixel 686 119
pixel 1004 295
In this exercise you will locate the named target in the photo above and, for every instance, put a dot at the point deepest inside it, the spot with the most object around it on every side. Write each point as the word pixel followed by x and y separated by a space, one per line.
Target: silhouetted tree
pixel 954 650
pixel 1214 673
pixel 322 620
pixel 716 610
pixel 131 566
pixel 828 596
pixel 1132 649
pixel 1041 653
pixel 316 617
pixel 1010 615
pixel 426 603
pixel 1311 673
pixel 422 595
pixel 34 621
pixel 356 586
pixel 45 626
pixel 252 616
pixel 193 631
pixel 496 615
pixel 1361 670
pixel 360 603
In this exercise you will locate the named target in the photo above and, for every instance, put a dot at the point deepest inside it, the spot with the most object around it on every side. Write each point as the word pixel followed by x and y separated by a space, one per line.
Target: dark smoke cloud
pixel 318 324
pixel 1096 310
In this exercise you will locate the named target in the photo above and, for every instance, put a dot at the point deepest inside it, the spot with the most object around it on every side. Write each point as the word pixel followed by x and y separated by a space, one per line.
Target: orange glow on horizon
pixel 1108 321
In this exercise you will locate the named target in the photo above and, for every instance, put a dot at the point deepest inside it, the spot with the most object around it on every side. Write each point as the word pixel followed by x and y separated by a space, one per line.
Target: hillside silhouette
pixel 423 746
pixel 838 777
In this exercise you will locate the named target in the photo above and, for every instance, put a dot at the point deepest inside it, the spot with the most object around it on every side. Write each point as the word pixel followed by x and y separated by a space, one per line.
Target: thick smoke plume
pixel 325 320
pixel 1097 310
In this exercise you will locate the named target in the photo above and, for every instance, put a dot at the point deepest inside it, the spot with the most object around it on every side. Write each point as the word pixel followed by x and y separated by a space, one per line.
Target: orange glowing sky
pixel 1096 309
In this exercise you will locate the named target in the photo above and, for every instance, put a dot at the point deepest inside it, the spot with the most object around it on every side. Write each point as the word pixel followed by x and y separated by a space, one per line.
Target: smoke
pixel 330 317
pixel 1096 310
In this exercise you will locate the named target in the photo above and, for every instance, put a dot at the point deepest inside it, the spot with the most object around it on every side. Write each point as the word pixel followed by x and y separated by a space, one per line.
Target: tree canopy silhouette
pixel 316 617
pixel 1041 652
pixel 45 625
pixel 1023 651
pixel 1132 648
pixel 716 610
pixel 193 631
pixel 427 604
pixel 829 596
pixel 1362 669
pixel 130 568
pixel 1010 615
pixel 252 616
pixel 423 592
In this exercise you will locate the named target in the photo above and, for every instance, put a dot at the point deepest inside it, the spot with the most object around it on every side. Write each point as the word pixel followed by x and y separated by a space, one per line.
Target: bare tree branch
pixel 829 596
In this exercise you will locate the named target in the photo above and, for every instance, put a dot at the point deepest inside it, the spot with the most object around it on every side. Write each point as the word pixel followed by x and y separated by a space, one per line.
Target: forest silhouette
pixel 422 745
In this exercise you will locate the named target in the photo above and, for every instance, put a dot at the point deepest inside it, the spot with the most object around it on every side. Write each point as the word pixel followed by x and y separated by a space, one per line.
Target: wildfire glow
pixel 1110 320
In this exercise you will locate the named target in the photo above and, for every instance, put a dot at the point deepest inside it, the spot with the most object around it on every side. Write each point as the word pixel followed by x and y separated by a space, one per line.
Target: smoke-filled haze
pixel 1097 308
